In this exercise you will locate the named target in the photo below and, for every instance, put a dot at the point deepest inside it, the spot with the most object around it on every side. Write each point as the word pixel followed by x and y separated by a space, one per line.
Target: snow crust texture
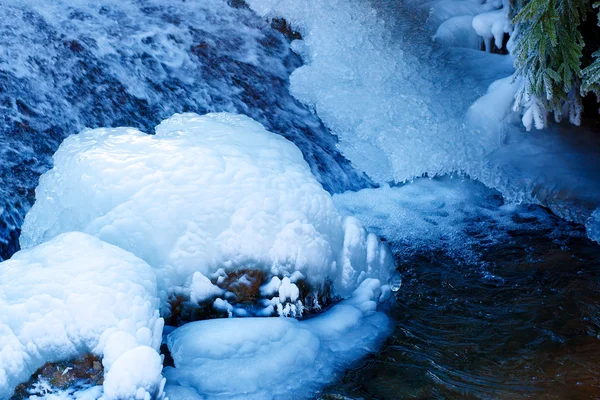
pixel 203 194
pixel 276 358
pixel 76 295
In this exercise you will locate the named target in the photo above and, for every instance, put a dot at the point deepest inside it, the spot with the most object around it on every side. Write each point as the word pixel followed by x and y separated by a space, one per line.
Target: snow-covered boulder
pixel 204 194
pixel 76 295
pixel 275 357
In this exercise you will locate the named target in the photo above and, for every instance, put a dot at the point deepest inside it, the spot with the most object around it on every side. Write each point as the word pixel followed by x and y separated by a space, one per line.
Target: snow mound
pixel 75 295
pixel 266 358
pixel 204 193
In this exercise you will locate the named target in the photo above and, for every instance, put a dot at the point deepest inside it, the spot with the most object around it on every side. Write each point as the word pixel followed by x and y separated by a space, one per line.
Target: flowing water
pixel 522 322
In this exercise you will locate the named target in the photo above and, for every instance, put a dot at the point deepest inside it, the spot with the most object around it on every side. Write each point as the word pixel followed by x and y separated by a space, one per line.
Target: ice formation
pixel 369 79
pixel 275 357
pixel 492 25
pixel 203 194
pixel 452 214
pixel 74 295
pixel 205 199
pixel 403 108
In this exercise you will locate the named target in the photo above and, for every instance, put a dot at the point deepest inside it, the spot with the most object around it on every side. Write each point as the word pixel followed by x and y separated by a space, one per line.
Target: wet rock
pixel 87 370
pixel 244 284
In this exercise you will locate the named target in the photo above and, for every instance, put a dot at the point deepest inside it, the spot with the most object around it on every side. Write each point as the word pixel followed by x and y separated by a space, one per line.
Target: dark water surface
pixel 524 322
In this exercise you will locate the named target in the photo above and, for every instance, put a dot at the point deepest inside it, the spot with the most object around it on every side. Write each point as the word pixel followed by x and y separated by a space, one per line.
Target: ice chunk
pixel 492 25
pixel 361 248
pixel 202 288
pixel 75 295
pixel 205 193
pixel 266 358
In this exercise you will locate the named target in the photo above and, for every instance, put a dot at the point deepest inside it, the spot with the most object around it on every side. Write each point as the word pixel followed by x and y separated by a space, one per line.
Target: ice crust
pixel 368 77
pixel 75 295
pixel 203 193
pixel 403 107
pixel 275 358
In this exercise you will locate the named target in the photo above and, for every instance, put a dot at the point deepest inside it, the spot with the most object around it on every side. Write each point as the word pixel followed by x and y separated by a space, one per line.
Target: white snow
pixel 494 109
pixel 287 301
pixel 457 32
pixel 137 374
pixel 267 358
pixel 203 194
pixel 75 295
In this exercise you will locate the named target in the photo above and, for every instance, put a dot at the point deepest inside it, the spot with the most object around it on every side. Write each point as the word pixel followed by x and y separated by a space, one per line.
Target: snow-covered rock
pixel 267 358
pixel 76 295
pixel 205 193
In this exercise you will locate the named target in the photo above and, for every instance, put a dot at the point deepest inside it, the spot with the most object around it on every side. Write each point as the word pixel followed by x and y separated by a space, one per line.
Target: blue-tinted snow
pixel 66 65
